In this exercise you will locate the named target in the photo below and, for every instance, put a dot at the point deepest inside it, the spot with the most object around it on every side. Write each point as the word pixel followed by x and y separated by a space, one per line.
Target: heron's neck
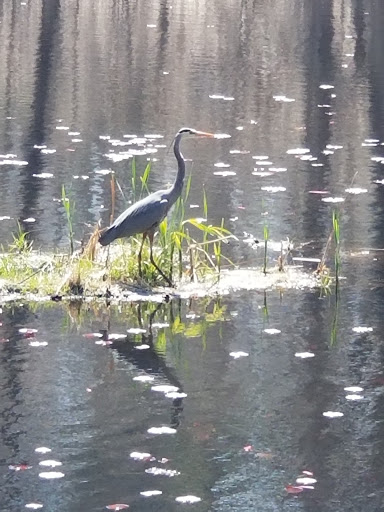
pixel 177 186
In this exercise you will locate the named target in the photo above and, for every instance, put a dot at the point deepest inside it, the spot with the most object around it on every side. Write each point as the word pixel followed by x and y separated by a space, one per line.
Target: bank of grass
pixel 184 248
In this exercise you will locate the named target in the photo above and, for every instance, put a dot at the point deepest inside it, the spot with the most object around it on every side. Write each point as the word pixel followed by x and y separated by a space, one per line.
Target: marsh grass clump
pixel 186 248
pixel 21 244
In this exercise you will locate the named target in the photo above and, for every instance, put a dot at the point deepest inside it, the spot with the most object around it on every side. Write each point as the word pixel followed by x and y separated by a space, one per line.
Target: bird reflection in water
pixel 149 361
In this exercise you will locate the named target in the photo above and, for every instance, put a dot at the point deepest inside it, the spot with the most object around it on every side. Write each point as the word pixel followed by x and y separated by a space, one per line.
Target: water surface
pixel 78 80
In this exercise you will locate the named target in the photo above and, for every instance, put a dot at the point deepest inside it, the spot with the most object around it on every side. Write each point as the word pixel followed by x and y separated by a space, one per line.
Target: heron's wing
pixel 142 216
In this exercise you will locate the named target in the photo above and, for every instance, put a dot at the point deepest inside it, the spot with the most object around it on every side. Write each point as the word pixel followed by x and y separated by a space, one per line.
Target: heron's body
pixel 145 215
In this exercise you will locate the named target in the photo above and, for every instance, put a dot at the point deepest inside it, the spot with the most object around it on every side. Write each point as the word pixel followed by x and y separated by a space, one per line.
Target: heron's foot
pixel 166 278
pixel 169 282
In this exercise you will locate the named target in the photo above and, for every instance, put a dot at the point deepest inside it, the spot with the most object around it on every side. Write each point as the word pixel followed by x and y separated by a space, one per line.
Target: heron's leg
pixel 139 255
pixel 150 236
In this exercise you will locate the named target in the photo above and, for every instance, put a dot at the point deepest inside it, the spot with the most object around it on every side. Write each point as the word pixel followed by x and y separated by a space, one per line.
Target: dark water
pixel 76 72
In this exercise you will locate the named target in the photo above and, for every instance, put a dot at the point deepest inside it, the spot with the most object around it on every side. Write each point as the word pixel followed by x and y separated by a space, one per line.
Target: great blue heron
pixel 145 215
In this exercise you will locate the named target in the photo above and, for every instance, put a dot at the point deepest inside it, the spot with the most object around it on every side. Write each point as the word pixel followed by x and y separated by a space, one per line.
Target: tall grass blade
pixel 266 237
pixel 133 179
pixel 68 207
pixel 113 198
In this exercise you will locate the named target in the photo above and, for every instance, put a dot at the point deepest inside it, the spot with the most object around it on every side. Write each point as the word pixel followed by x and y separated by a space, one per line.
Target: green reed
pixel 266 238
pixel 69 209
pixel 336 235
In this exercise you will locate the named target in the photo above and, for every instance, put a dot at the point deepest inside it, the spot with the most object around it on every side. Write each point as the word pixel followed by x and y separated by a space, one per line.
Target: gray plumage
pixel 145 215
pixel 142 216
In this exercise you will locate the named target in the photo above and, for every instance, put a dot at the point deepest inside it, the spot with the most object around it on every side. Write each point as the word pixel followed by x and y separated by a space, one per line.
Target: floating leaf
pixel 43 175
pixel 283 99
pixel 305 480
pixel 140 455
pixel 42 449
pixel 34 506
pixel 113 337
pixel 144 378
pixel 333 414
pixel 188 499
pixel 176 394
pixel 272 331
pixel 117 506
pixel 162 472
pixel 164 388
pixel 143 346
pixel 354 397
pixel 147 494
pixel 224 173
pixel 262 174
pixel 353 389
pixel 19 467
pixel 50 463
pixel 362 330
pixel 222 136
pixel 38 343
pixel 298 151
pixel 304 355
pixel 356 190
pixel 238 354
pixel 333 199
pixel 27 331
pixel 294 489
pixel 51 475
pixel 161 430
pixel 273 190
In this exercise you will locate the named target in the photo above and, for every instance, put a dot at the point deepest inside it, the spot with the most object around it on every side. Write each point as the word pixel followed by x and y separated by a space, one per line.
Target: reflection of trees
pixel 12 414
pixel 38 130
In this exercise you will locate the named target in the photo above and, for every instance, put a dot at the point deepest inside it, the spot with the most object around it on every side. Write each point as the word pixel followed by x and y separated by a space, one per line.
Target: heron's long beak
pixel 204 134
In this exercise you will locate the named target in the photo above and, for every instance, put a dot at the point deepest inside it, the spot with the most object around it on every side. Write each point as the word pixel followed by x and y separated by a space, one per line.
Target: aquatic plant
pixel 190 248
pixel 336 234
pixel 335 318
pixel 322 270
pixel 69 209
pixel 266 237
pixel 20 243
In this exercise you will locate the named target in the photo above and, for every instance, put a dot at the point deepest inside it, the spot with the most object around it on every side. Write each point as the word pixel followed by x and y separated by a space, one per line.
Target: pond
pixel 253 400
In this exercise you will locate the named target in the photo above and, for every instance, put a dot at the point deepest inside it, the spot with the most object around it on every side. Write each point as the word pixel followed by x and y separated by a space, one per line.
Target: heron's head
pixel 191 131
